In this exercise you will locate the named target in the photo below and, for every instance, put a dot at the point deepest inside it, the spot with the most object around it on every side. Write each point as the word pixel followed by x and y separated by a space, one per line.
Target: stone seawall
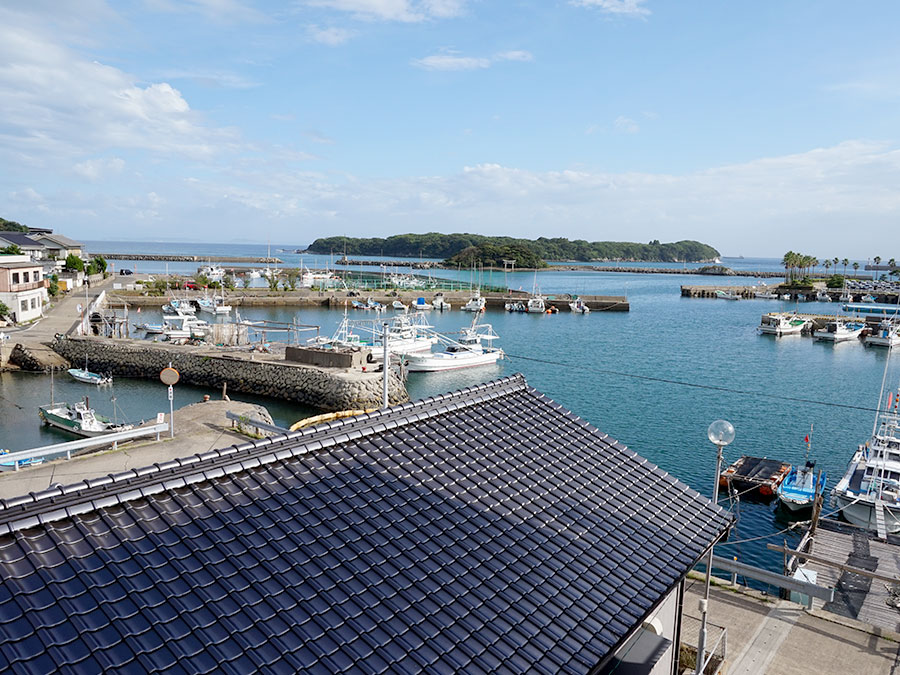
pixel 326 389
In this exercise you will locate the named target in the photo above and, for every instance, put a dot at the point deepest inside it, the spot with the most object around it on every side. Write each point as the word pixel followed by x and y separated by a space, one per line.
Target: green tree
pixel 4 310
pixel 845 262
pixel 855 266
pixel 53 286
pixel 12 226
pixel 12 249
pixel 228 282
pixel 292 277
pixel 74 263
pixel 99 264
pixel 273 281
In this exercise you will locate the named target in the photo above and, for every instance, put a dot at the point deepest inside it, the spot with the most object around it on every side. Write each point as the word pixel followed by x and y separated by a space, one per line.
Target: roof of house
pixel 21 240
pixel 59 240
pixel 18 265
pixel 486 530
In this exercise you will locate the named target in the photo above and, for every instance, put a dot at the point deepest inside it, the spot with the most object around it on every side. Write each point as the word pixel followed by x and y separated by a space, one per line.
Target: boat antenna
pixel 887 360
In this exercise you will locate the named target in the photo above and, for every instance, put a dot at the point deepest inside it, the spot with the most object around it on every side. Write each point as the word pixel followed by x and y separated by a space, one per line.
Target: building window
pixel 34 303
pixel 24 305
pixel 25 278
pixel 37 276
pixel 15 277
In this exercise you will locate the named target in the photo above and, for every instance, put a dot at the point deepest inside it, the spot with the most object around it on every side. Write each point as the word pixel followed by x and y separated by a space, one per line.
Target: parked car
pixel 125 272
pixel 190 285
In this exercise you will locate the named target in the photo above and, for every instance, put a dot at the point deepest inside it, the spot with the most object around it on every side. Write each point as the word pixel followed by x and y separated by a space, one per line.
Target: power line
pixel 696 385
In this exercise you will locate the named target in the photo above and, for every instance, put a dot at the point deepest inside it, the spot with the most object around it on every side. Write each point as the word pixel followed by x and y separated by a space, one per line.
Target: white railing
pixel 22 456
pixel 84 327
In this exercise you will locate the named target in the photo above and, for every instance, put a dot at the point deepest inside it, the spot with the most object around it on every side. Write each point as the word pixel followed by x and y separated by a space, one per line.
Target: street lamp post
pixel 720 433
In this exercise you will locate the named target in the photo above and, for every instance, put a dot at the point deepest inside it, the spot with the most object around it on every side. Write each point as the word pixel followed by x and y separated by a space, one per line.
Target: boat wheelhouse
pixel 780 323
pixel 887 334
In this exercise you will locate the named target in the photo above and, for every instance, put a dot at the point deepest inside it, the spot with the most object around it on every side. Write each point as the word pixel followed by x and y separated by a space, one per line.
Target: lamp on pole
pixel 720 434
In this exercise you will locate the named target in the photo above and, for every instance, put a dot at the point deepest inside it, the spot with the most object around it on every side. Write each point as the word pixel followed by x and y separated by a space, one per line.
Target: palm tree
pixel 827 267
pixel 845 262
pixel 892 264
pixel 855 266
pixel 877 260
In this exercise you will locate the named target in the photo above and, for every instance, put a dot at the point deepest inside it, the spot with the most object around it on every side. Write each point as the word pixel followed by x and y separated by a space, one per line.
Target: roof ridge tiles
pixel 34 507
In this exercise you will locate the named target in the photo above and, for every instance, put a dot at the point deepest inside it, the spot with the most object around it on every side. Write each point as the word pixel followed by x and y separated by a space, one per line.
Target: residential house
pixel 483 531
pixel 23 288
pixel 36 250
pixel 59 246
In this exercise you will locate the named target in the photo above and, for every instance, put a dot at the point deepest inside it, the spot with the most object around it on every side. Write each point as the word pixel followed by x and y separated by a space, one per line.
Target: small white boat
pixel 801 297
pixel 439 303
pixel 467 352
pixel 515 306
pixel 779 323
pixel 579 307
pixel 800 487
pixel 150 328
pixel 535 305
pixel 214 305
pixel 727 295
pixel 765 295
pixel 475 304
pixel 785 296
pixel 213 272
pixel 253 274
pixel 822 296
pixel 868 299
pixel 179 306
pixel 84 375
pixel 421 305
pixel 840 331
pixel 399 306
pixel 886 335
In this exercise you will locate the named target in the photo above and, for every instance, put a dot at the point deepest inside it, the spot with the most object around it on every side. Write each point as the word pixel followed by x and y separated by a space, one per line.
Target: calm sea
pixel 654 378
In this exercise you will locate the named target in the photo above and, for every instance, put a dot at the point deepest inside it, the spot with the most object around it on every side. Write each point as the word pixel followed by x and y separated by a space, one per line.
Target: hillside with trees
pixel 11 226
pixel 492 255
pixel 446 246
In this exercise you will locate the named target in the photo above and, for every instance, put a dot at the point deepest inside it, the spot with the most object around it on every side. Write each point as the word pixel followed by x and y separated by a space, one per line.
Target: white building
pixel 23 288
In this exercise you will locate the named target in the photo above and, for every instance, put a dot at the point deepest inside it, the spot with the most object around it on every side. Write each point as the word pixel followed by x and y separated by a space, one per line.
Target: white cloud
pixel 515 55
pixel 626 125
pixel 395 10
pixel 450 60
pixel 57 104
pixel 222 11
pixel 93 169
pixel 619 7
pixel 210 78
pixel 332 37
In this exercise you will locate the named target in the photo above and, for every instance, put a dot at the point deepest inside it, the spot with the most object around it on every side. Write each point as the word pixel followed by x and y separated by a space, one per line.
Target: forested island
pixel 470 249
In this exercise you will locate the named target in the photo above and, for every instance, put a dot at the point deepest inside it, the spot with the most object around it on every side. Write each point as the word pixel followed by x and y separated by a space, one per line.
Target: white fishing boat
pixel 214 305
pixel 150 328
pixel 515 306
pixel 786 296
pixel 407 334
pixel 822 296
pixel 79 419
pixel 439 303
pixel 868 299
pixel 253 274
pixel 421 305
pixel 868 495
pixel 84 375
pixel 475 304
pixel 399 306
pixel 765 295
pixel 179 306
pixel 780 323
pixel 840 331
pixel 466 352
pixel 536 305
pixel 579 307
pixel 727 295
pixel 213 272
pixel 887 334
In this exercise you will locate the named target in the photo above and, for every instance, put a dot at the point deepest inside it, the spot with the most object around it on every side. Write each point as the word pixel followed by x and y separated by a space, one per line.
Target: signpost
pixel 170 376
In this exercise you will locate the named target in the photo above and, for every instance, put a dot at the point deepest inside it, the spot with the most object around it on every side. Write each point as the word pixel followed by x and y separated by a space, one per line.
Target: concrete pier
pixel 242 370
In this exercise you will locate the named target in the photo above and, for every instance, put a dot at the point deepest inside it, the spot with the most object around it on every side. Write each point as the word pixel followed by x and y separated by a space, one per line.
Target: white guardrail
pixel 14 459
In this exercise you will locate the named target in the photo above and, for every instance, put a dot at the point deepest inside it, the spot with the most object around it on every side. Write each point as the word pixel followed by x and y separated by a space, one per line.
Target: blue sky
pixel 755 127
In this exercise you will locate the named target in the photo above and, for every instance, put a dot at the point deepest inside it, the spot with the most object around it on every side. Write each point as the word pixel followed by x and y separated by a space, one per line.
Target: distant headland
pixel 476 249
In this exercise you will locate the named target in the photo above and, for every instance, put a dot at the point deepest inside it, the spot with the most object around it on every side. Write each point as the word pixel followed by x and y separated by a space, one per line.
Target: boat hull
pixel 826 336
pixel 438 363
pixel 862 513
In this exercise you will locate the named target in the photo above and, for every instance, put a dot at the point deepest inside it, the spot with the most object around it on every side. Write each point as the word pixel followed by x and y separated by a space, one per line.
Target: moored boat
pixel 840 331
pixel 800 487
pixel 475 304
pixel 399 306
pixel 31 461
pixel 80 419
pixel 535 305
pixel 727 295
pixel 517 306
pixel 579 307
pixel 887 334
pixel 822 296
pixel 780 323
pixel 439 303
pixel 868 494
pixel 421 305
pixel 466 352
pixel 757 475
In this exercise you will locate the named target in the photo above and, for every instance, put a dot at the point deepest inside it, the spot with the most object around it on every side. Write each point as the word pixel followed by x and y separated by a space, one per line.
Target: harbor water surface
pixel 653 378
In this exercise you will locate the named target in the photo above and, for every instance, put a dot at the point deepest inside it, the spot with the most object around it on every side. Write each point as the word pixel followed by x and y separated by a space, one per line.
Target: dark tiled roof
pixel 488 530
pixel 20 239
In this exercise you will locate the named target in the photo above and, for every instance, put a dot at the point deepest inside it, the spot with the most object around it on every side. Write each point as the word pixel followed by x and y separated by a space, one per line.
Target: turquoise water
pixel 619 371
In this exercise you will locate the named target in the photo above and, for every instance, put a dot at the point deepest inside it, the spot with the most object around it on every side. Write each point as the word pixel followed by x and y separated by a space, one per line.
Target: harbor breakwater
pixel 265 375
pixel 188 258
